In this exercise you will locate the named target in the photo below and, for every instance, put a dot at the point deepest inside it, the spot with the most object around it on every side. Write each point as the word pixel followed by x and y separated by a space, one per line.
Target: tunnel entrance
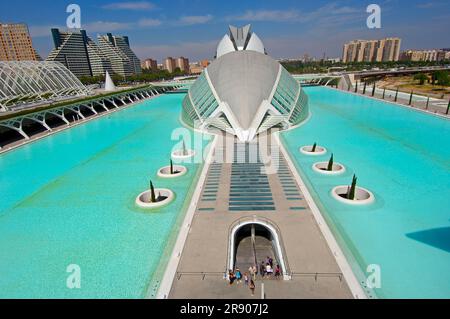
pixel 251 243
pixel 253 246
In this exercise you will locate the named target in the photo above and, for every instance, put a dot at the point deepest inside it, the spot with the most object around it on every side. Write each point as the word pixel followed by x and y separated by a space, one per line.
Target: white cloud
pixel 137 5
pixel 39 31
pixel 325 13
pixel 149 22
pixel 266 15
pixel 106 26
pixel 192 20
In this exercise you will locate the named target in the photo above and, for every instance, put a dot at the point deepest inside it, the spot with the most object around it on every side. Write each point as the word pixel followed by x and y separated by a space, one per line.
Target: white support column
pixel 77 110
pixel 91 107
pixel 60 114
pixel 16 125
pixel 40 118
pixel 102 104
pixel 113 102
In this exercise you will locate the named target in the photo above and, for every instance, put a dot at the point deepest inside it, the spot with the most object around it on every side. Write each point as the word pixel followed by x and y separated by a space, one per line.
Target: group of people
pixel 237 276
pixel 266 269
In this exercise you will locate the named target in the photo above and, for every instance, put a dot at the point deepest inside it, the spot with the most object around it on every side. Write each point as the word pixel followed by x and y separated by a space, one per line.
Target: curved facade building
pixel 244 91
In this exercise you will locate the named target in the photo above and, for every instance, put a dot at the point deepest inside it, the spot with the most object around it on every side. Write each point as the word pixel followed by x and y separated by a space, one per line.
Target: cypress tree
pixel 330 163
pixel 351 193
pixel 152 193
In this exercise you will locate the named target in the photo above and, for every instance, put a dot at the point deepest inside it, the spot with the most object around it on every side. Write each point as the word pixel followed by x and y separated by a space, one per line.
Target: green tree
pixel 421 78
pixel 152 193
pixel 351 192
pixel 442 78
pixel 330 163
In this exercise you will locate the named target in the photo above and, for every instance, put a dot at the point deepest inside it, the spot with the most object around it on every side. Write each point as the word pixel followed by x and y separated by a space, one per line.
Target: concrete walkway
pixel 313 269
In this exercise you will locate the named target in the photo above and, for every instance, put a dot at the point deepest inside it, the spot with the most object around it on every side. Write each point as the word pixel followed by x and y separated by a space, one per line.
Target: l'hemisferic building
pixel 244 91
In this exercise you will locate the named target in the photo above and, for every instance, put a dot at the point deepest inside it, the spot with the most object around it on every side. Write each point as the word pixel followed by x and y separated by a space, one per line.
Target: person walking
pixel 246 279
pixel 269 270
pixel 252 287
pixel 231 277
pixel 278 272
pixel 255 272
pixel 251 272
pixel 262 269
pixel 238 276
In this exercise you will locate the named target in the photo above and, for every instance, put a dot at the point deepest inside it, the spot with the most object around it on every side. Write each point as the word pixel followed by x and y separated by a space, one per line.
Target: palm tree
pixel 330 164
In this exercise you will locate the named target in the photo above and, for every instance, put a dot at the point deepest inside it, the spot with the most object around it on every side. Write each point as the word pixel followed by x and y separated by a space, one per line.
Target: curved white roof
pixel 240 39
pixel 243 79
pixel 23 82
pixel 244 91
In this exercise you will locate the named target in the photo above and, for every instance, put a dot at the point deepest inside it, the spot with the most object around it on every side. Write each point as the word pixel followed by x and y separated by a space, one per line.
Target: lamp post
pixel 384 92
pixel 364 89
pixel 428 102
pixel 410 98
pixel 373 89
pixel 396 95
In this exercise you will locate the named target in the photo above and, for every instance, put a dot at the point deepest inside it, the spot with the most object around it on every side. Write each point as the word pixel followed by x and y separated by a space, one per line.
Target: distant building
pixel 71 49
pixel 425 55
pixel 169 64
pixel 182 63
pixel 205 63
pixel 117 48
pixel 16 44
pixel 83 57
pixel 149 64
pixel 384 50
pixel 196 68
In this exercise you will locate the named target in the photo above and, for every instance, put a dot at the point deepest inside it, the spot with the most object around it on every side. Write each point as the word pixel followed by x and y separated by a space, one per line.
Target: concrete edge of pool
pixel 172 265
pixel 344 265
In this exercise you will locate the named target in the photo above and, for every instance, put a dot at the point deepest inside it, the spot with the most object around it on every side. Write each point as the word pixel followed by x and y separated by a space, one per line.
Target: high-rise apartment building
pixel 81 55
pixel 182 63
pixel 71 49
pixel 149 64
pixel 425 55
pixel 16 44
pixel 169 64
pixel 372 50
pixel 123 60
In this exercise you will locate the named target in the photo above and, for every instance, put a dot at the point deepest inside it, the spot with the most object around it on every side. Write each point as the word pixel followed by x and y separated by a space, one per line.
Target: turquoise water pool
pixel 69 199
pixel 403 157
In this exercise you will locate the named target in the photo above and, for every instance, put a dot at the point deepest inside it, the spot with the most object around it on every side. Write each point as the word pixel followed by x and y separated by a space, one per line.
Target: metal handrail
pixel 203 274
pixel 316 275
pixel 265 220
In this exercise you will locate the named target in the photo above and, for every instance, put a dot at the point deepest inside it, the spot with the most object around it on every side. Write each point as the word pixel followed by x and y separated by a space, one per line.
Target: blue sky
pixel 192 28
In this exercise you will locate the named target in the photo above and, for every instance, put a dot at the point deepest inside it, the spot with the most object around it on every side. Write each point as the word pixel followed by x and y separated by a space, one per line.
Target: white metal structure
pixel 24 82
pixel 244 91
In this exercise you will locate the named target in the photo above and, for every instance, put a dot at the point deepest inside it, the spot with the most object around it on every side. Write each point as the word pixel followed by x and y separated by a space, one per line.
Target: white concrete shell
pixel 244 91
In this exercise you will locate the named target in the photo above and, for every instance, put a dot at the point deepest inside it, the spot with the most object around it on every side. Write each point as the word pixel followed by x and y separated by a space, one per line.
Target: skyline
pixel 159 29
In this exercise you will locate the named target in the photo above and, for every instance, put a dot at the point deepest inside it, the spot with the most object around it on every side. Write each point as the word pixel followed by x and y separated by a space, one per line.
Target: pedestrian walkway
pixel 241 189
